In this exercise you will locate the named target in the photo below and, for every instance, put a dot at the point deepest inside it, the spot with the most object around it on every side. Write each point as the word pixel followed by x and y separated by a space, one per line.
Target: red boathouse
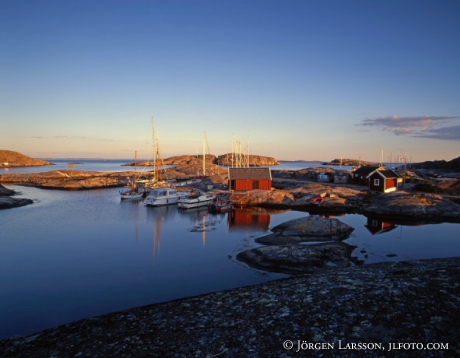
pixel 249 178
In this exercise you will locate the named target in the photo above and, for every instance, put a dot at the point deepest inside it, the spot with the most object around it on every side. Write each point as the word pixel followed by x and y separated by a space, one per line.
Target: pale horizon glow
pixel 293 80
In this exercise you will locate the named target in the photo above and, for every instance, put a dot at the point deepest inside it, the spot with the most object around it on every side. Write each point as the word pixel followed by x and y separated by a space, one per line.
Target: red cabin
pixel 383 180
pixel 249 179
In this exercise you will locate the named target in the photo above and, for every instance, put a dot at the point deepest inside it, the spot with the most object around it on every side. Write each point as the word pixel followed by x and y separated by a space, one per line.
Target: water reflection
pixel 378 226
pixel 249 218
pixel 136 214
pixel 203 222
pixel 159 216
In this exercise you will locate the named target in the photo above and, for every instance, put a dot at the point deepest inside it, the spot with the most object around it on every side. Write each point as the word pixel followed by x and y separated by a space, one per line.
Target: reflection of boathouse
pixel 249 178
pixel 377 226
pixel 248 219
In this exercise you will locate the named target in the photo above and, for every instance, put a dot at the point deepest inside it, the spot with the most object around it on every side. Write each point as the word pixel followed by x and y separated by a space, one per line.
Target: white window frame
pixel 376 182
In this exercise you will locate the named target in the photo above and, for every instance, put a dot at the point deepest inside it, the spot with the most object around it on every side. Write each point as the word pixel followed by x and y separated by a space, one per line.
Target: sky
pixel 293 80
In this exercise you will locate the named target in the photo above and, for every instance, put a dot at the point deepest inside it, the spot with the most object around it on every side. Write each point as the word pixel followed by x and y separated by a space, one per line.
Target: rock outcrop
pixel 254 160
pixel 197 160
pixel 69 179
pixel 307 229
pixel 11 159
pixel 453 164
pixel 286 254
pixel 414 205
pixel 7 202
pixel 6 192
pixel 350 162
pixel 336 198
pixel 296 259
pixel 179 160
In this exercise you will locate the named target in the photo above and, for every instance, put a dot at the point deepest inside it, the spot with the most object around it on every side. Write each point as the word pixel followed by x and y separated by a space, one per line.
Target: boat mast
pixel 155 150
pixel 248 153
pixel 204 154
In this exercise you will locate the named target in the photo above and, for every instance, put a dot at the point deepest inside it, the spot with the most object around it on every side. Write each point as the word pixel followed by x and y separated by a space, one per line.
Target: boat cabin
pixel 249 179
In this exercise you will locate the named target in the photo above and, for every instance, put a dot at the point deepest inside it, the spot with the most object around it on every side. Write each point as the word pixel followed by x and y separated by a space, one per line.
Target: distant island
pixel 225 160
pixel 351 162
pixel 453 164
pixel 10 159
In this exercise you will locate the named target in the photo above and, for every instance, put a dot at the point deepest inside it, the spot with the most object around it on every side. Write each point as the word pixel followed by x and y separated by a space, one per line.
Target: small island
pixel 11 159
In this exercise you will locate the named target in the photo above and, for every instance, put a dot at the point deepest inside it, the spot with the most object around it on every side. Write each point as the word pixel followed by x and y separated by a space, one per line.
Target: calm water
pixel 73 255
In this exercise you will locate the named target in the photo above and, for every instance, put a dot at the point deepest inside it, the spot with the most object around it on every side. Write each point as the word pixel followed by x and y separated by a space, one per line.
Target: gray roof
pixel 249 174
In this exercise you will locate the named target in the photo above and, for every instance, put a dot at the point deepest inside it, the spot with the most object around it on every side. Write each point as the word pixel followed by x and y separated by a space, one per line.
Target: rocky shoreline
pixel 7 202
pixel 326 313
pixel 440 202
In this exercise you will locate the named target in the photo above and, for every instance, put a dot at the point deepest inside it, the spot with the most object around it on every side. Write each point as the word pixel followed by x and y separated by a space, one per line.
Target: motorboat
pixel 131 194
pixel 162 196
pixel 195 199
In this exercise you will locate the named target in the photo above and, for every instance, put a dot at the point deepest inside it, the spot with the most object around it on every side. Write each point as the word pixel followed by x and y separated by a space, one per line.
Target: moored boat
pixel 220 205
pixel 131 194
pixel 195 199
pixel 162 196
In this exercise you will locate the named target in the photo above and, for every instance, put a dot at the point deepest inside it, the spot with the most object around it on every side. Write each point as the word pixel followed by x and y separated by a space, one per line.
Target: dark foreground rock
pixel 5 191
pixel 406 302
pixel 9 203
pixel 296 259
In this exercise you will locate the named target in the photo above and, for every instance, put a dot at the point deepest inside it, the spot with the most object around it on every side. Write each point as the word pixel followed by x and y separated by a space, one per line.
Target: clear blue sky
pixel 296 79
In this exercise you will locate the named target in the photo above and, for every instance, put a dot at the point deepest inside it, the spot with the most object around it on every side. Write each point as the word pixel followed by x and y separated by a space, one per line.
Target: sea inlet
pixel 74 255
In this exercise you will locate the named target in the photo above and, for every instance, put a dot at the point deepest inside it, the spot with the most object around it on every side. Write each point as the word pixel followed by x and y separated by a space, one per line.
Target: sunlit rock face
pixel 254 160
pixel 10 159
pixel 414 205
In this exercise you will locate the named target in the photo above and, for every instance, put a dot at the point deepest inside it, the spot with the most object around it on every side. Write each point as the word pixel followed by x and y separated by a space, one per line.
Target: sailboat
pixel 157 181
pixel 198 178
pixel 133 192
